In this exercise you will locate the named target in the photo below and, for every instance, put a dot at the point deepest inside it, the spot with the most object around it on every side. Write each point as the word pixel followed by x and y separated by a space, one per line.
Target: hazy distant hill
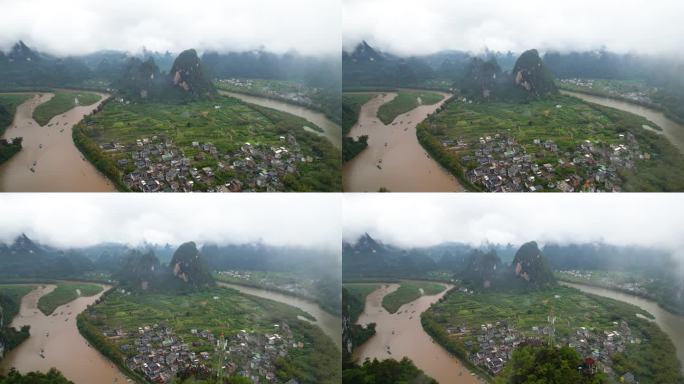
pixel 188 266
pixel 24 66
pixel 25 258
pixel 365 66
pixel 529 79
pixel 532 267
pixel 189 77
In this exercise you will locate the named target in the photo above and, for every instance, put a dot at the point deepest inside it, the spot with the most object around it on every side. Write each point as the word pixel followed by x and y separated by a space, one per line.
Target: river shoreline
pixel 394 159
pixel 52 335
pixel 671 324
pixel 401 335
pixel 49 160
pixel 670 128
pixel 328 323
pixel 331 130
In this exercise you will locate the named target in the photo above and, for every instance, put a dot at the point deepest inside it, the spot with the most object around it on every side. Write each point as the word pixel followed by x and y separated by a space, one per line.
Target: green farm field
pixel 404 102
pixel 409 291
pixel 222 311
pixel 62 102
pixel 652 358
pixel 64 293
pixel 225 122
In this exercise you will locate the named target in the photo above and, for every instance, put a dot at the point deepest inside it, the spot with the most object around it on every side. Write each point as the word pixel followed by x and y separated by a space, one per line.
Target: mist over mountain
pixel 26 258
pixel 149 71
pixel 499 265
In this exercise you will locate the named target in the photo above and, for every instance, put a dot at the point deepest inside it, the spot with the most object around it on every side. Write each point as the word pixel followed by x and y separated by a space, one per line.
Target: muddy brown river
pixel 331 131
pixel 49 161
pixel 60 342
pixel 671 129
pixel 331 325
pixel 394 159
pixel 671 324
pixel 401 335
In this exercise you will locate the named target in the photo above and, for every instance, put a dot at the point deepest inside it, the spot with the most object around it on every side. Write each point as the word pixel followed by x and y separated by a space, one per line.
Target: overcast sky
pixel 83 26
pixel 419 27
pixel 71 220
pixel 408 220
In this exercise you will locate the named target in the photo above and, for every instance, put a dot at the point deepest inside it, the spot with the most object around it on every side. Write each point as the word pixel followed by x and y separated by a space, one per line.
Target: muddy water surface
pixel 401 335
pixel 394 159
pixel 49 161
pixel 61 344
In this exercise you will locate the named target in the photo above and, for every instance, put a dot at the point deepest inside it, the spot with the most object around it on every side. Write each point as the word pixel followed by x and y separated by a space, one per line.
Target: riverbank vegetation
pixel 409 291
pixel 387 371
pixel 9 149
pixel 221 312
pixel 637 91
pixel 557 143
pixel 664 287
pixel 470 323
pixel 53 376
pixel 61 102
pixel 65 293
pixel 210 137
pixel 10 303
pixel 8 108
pixel 321 99
pixel 404 102
pixel 547 364
pixel 353 303
pixel 351 108
pixel 323 290
pixel 352 147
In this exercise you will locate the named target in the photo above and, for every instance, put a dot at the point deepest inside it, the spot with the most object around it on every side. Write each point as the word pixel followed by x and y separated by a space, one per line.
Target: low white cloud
pixel 409 27
pixel 414 220
pixel 72 220
pixel 84 26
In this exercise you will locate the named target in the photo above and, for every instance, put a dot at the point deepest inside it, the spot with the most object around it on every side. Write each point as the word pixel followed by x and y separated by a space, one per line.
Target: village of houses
pixel 498 163
pixel 156 164
pixel 299 97
pixel 635 285
pixel 159 354
pixel 639 97
pixel 302 287
pixel 492 344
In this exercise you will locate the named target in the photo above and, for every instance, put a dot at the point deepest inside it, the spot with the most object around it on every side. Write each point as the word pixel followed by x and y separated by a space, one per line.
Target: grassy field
pixel 404 102
pixel 652 358
pixel 227 127
pixel 64 293
pixel 16 292
pixel 62 102
pixel 324 100
pixel 8 107
pixel 225 312
pixel 409 291
pixel 351 107
pixel 565 120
